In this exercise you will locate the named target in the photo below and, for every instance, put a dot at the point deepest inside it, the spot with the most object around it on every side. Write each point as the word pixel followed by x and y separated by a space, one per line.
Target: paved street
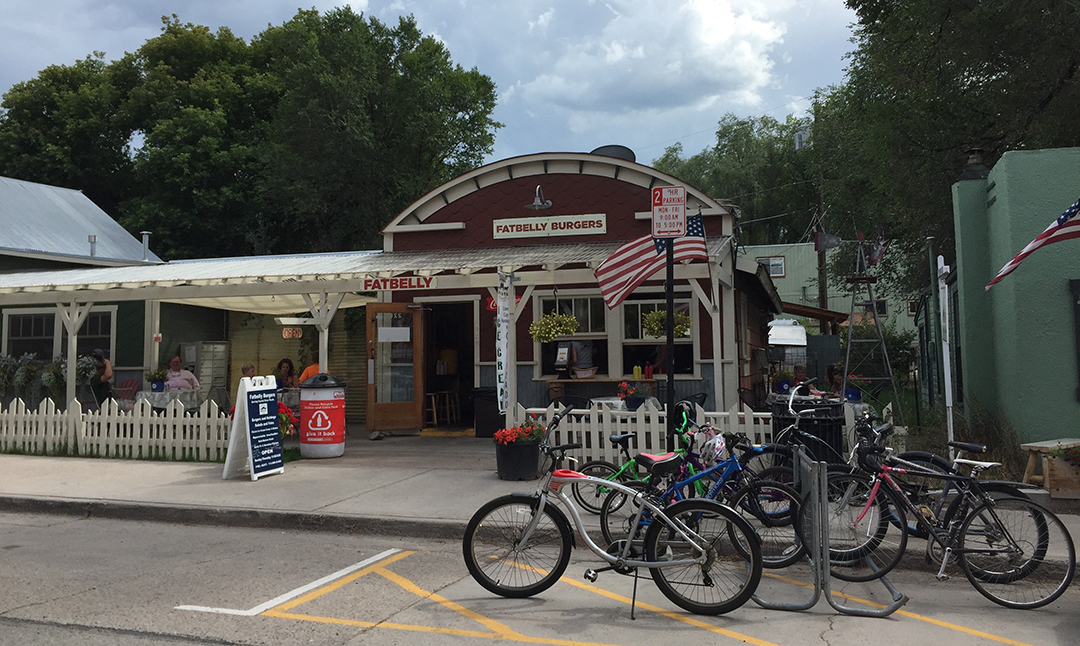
pixel 90 581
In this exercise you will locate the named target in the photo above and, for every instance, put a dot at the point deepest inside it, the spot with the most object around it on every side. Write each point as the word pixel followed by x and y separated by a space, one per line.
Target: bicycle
pixel 1013 551
pixel 770 507
pixel 939 502
pixel 519 545
pixel 774 460
pixel 591 497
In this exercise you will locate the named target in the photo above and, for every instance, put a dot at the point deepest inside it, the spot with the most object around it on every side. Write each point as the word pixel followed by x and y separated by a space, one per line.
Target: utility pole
pixel 822 274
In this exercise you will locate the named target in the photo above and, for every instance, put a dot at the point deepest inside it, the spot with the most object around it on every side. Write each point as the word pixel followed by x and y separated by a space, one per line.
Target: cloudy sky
pixel 572 75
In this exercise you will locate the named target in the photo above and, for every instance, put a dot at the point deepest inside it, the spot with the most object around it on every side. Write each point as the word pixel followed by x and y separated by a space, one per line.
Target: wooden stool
pixel 1035 449
pixel 432 412
pixel 449 405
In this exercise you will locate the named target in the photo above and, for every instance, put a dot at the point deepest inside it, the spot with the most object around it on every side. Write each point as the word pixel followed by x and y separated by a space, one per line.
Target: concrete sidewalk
pixel 406 485
pixel 419 486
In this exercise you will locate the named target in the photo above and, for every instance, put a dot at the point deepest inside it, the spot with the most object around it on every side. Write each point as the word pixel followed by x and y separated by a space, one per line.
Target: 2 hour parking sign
pixel 669 211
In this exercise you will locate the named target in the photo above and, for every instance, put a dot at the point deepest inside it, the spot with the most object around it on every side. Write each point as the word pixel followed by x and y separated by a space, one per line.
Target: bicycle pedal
pixel 591 575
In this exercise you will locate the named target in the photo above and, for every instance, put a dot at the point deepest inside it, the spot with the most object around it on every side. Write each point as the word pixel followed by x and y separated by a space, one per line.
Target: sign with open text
pixel 669 211
pixel 255 437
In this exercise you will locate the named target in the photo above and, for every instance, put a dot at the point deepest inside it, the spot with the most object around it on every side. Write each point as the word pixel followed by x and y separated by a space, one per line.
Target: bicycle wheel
pixel 500 562
pixel 1016 553
pixel 996 490
pixel 618 512
pixel 922 491
pixel 765 456
pixel 727 578
pixel 590 495
pixel 860 529
pixel 772 510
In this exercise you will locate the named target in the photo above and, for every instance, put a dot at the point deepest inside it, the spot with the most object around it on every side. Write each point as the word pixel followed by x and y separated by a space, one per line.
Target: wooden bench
pixel 1036 449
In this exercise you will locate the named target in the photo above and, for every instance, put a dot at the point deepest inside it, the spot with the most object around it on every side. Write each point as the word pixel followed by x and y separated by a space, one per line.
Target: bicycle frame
pixel 552 484
pixel 945 537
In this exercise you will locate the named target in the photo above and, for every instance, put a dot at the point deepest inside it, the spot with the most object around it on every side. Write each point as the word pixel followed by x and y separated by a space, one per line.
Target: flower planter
pixel 517 461
pixel 633 403
pixel 157 386
pixel 1061 478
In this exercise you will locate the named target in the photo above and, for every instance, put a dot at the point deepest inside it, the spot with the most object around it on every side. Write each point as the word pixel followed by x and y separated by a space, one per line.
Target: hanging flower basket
pixel 655 323
pixel 550 326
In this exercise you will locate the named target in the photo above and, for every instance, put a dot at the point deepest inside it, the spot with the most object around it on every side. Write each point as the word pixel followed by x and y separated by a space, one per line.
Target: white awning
pixel 262 283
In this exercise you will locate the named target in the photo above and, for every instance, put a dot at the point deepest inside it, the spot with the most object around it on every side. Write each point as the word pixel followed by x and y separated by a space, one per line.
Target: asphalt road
pixel 68 580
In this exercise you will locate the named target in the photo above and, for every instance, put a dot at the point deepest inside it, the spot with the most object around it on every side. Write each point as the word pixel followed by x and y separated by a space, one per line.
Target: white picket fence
pixel 116 431
pixel 592 426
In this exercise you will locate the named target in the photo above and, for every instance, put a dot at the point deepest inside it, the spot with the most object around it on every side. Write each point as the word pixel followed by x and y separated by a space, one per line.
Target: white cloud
pixel 571 75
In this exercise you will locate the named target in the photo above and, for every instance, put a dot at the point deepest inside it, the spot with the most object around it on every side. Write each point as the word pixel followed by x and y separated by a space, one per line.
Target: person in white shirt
pixel 179 379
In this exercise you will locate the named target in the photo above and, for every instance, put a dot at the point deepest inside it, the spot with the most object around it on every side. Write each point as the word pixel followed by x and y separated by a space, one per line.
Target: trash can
pixel 486 417
pixel 827 425
pixel 322 417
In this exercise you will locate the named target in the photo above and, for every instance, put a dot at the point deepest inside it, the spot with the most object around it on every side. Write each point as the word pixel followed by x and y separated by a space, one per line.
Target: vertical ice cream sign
pixel 502 340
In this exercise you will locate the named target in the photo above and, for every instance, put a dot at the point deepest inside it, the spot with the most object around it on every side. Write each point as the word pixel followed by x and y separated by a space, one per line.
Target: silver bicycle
pixel 519 545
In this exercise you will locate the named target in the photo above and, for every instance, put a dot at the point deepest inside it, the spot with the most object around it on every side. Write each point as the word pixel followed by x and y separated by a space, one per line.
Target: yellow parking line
pixel 912 615
pixel 315 594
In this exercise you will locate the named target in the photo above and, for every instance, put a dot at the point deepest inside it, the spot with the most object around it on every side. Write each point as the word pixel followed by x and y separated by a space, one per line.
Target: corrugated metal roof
pixel 41 220
pixel 307 273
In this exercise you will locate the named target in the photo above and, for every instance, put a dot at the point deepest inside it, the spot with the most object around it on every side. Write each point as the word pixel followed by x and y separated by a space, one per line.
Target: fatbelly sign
pixel 554 225
pixel 399 284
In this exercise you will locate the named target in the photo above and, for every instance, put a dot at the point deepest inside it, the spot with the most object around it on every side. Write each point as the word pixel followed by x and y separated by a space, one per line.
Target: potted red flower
pixel 517 450
pixel 633 394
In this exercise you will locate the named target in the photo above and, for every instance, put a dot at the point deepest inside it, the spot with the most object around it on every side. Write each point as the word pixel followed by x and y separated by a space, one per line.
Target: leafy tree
pixel 929 80
pixel 311 138
pixel 754 164
pixel 67 128
pixel 202 108
pixel 370 119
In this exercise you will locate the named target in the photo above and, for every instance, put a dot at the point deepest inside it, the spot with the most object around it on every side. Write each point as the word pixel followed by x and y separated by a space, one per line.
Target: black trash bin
pixel 486 416
pixel 827 425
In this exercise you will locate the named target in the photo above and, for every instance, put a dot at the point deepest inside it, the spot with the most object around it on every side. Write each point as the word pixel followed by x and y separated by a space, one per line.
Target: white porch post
pixel 322 313
pixel 73 316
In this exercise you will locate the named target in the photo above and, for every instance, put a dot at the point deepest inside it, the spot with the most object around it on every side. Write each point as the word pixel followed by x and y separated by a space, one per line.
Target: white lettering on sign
pixel 411 282
pixel 669 211
pixel 555 225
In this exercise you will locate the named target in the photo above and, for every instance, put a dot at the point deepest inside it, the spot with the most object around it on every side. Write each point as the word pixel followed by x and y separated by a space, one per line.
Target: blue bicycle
pixel 771 508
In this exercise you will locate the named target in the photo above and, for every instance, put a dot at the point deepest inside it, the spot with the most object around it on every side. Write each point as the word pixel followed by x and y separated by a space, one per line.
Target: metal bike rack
pixel 811 479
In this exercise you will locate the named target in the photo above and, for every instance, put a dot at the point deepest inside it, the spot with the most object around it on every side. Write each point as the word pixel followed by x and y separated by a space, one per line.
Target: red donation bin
pixel 322 417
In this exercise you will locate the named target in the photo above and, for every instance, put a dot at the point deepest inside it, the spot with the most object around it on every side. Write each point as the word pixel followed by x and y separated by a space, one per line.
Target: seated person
pixel 834 374
pixel 800 377
pixel 99 384
pixel 286 374
pixel 177 378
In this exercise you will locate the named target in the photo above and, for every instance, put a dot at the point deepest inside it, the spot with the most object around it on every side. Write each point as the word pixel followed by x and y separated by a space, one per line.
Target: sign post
pixel 669 221
pixel 255 437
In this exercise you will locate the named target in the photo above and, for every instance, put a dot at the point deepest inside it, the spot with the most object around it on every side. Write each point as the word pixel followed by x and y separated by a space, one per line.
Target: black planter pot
pixel 633 403
pixel 517 461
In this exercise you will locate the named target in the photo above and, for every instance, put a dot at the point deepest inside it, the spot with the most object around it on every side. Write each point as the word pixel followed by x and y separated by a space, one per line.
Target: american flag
pixel 1065 227
pixel 637 260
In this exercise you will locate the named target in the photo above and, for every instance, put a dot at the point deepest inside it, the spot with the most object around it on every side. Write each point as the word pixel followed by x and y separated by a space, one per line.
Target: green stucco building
pixel 1018 341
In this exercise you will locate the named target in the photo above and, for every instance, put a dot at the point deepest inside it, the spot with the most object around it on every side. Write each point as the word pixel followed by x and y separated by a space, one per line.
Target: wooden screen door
pixel 395 387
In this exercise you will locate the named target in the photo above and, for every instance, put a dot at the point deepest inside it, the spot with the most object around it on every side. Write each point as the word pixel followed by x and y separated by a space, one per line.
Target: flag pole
pixel 670 368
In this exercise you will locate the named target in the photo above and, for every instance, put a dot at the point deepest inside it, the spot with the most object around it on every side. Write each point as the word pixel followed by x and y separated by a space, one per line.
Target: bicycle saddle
pixel 660 465
pixel 622 440
pixel 969 447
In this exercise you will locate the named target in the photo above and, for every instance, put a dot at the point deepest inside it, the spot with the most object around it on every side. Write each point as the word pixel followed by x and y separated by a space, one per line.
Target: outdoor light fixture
pixel 539 202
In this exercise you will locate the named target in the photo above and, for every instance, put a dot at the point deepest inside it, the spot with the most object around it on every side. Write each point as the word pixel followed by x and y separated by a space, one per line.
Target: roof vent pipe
pixel 93 244
pixel 145 245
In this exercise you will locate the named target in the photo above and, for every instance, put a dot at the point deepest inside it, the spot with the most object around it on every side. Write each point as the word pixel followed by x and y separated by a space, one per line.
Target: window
pixel 591 313
pixel 774 265
pixel 881 307
pixel 912 306
pixel 641 348
pixel 41 332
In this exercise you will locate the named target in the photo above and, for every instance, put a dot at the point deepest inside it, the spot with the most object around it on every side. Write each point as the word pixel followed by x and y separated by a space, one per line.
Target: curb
pixel 225 517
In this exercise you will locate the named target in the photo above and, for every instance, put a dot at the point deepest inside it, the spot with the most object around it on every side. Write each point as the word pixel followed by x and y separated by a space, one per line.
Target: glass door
pixel 395 361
